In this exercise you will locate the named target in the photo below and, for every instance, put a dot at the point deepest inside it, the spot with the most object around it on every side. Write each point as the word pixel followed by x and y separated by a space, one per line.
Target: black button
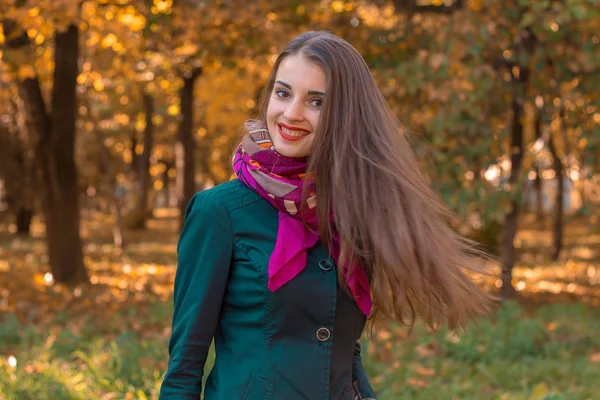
pixel 325 264
pixel 323 334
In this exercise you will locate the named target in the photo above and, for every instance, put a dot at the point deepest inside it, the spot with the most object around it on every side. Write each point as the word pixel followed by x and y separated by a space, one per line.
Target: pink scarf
pixel 279 179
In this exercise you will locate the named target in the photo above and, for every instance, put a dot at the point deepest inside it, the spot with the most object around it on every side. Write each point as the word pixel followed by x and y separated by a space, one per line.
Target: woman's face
pixel 295 106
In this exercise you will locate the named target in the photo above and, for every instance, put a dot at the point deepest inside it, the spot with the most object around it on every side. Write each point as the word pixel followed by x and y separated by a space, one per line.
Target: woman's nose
pixel 294 111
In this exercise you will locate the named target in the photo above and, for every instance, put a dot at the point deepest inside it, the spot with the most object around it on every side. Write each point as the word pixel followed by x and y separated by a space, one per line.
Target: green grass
pixel 513 354
pixel 508 356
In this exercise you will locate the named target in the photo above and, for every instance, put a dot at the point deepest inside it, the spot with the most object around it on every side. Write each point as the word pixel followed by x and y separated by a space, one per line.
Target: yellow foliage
pixel 118 47
pixel 126 19
pixel 39 39
pixel 173 109
pixel 156 169
pixel 187 49
pixel 92 39
pixel 337 6
pixel 98 85
pixel 127 159
pixel 157 120
pixel 138 23
pixel 140 125
pixel 108 40
pixel 122 118
pixel 26 72
pixel 162 6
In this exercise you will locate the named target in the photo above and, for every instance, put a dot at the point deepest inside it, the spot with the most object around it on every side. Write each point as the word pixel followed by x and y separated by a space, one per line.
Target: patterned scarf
pixel 279 179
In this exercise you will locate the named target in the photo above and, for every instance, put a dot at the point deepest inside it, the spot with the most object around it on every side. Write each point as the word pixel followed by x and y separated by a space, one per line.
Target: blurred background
pixel 114 112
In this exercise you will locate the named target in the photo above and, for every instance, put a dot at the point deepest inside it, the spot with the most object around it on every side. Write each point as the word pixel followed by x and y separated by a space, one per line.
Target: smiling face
pixel 295 106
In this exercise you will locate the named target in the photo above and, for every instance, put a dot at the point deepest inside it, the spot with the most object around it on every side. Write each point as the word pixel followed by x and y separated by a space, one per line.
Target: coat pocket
pixel 260 388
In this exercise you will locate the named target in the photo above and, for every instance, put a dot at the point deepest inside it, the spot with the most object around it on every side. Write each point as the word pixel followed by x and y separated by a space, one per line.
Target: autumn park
pixel 113 113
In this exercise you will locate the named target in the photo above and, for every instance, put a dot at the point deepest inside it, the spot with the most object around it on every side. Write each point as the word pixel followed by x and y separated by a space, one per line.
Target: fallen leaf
pixel 418 383
pixel 595 358
pixel 425 371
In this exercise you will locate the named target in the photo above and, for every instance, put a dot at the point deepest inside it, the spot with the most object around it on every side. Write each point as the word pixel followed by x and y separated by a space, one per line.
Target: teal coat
pixel 299 342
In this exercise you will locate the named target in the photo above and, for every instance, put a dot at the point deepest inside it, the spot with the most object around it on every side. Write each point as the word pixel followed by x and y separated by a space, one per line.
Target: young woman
pixel 329 222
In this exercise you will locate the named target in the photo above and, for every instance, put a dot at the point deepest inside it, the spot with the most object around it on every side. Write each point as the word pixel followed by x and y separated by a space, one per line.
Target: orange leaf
pixel 418 383
pixel 595 358
pixel 424 351
pixel 425 371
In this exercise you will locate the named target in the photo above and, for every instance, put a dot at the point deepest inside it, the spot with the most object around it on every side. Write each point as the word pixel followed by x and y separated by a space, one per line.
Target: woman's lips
pixel 287 136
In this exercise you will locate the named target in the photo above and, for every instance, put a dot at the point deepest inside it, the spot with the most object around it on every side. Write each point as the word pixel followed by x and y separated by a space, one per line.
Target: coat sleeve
pixel 204 256
pixel 359 375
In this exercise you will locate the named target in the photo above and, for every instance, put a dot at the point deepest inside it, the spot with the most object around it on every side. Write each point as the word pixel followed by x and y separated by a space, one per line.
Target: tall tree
pixel 54 147
pixel 142 210
pixel 186 145
pixel 559 209
pixel 16 170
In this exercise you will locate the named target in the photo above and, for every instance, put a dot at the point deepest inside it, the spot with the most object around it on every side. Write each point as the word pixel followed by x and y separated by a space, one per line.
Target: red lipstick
pixel 292 128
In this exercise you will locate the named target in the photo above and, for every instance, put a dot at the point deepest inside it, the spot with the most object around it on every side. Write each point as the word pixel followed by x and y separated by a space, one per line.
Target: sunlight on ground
pixel 146 269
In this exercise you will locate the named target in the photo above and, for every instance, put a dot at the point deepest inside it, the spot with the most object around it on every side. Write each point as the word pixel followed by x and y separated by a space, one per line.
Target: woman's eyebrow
pixel 284 84
pixel 310 92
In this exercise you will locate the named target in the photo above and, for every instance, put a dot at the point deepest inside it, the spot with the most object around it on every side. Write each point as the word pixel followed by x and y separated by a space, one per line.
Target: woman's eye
pixel 282 93
pixel 317 103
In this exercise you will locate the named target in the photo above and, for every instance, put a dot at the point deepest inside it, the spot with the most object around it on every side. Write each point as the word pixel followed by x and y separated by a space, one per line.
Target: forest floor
pixel 108 339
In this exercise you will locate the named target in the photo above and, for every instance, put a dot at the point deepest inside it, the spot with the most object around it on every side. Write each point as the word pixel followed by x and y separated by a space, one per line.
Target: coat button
pixel 323 334
pixel 325 264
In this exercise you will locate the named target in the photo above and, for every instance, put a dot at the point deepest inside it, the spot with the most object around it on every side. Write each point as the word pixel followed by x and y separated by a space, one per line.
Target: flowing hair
pixel 383 209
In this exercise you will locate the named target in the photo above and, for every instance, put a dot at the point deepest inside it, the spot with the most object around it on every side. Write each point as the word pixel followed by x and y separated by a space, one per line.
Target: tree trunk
pixel 142 209
pixel 537 183
pixel 16 174
pixel 111 190
pixel 135 158
pixel 557 220
pixel 184 149
pixel 165 183
pixel 115 209
pixel 23 219
pixel 507 246
pixel 57 151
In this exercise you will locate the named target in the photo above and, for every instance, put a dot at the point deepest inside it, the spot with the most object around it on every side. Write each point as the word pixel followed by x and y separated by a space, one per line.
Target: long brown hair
pixel 383 208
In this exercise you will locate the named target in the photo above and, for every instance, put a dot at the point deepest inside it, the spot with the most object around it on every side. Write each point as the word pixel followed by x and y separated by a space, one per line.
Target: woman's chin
pixel 294 150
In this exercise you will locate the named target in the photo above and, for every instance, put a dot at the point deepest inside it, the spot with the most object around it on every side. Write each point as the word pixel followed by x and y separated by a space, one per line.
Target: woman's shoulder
pixel 226 196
